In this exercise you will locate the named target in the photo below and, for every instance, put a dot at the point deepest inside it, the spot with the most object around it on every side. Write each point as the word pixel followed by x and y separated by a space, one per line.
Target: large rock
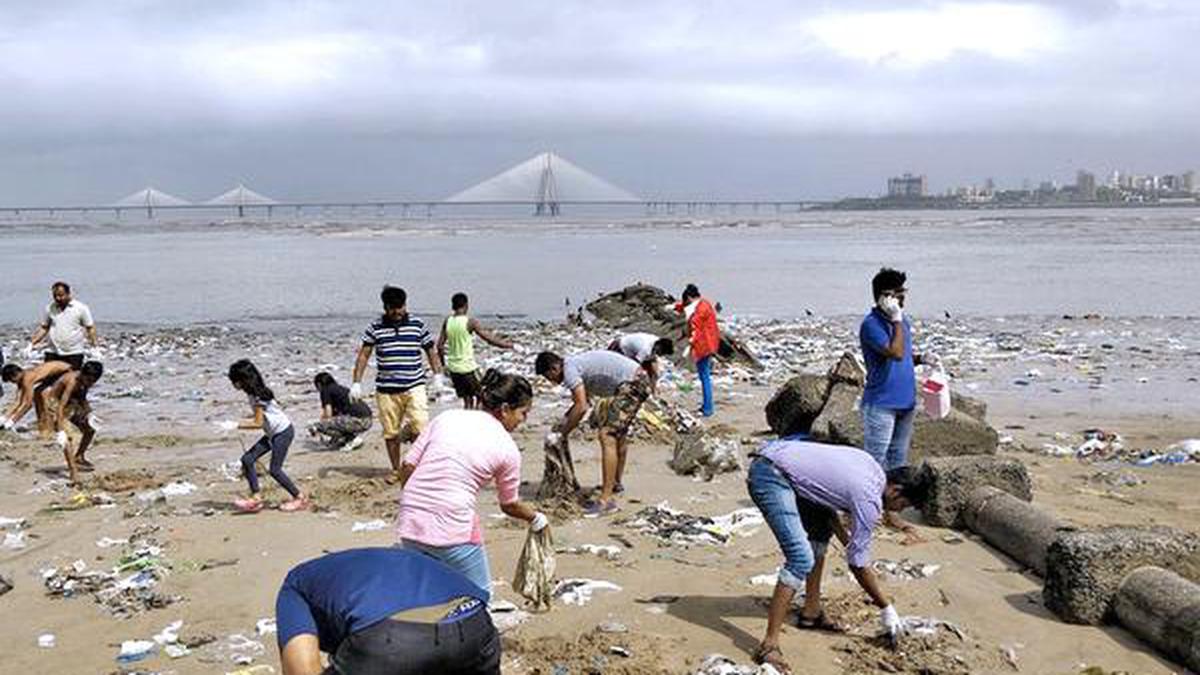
pixel 956 478
pixel 705 454
pixel 849 370
pixel 797 403
pixel 649 309
pixel 840 421
pixel 956 434
pixel 1085 569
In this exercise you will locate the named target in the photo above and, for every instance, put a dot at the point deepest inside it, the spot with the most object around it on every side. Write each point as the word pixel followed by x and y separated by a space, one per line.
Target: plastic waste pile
pixel 127 588
pixel 678 527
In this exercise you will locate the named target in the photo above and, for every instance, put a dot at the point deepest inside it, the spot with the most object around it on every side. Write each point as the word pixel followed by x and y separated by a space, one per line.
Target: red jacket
pixel 705 336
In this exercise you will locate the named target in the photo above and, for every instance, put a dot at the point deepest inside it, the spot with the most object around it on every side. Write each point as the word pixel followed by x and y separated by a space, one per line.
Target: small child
pixel 343 420
pixel 277 438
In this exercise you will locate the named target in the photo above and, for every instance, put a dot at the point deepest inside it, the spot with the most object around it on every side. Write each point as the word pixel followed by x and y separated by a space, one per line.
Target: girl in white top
pixel 277 438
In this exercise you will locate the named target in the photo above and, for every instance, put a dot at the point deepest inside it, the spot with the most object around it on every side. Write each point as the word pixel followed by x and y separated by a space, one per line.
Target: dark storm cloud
pixel 101 97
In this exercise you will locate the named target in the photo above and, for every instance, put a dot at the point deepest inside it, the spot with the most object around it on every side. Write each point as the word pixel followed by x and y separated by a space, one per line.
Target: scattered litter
pixel 13 541
pixel 506 615
pixel 369 526
pixel 765 579
pixel 719 664
pixel 122 596
pixel 46 641
pixel 170 634
pixel 11 523
pixel 612 627
pixel 579 591
pixel 135 650
pixel 953 538
pixel 677 527
pixel 108 542
pixel 905 568
pixel 929 627
pixel 265 626
pixel 608 552
pixel 620 651
pixel 534 576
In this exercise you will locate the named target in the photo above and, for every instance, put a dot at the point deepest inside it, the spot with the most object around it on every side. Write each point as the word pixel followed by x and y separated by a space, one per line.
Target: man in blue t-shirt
pixel 889 398
pixel 383 611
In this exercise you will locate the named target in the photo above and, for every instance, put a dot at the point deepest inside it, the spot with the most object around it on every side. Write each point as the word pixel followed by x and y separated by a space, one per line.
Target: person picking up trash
pixel 343 420
pixel 71 390
pixel 704 340
pixel 453 459
pixel 645 348
pixel 800 487
pixel 383 611
pixel 619 388
pixel 30 383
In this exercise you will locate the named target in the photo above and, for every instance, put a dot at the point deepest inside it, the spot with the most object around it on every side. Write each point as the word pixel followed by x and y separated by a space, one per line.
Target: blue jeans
pixel 887 434
pixel 704 370
pixel 775 497
pixel 469 560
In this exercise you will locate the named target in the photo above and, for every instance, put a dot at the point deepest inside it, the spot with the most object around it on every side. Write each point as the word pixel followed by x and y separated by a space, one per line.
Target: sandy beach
pixel 1046 382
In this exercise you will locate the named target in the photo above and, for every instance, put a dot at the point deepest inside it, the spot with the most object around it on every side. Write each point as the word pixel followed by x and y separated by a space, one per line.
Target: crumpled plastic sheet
pixel 719 664
pixel 677 527
pixel 534 577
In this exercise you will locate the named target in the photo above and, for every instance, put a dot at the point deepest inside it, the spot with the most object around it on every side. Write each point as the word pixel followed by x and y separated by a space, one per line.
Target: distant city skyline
pixel 667 98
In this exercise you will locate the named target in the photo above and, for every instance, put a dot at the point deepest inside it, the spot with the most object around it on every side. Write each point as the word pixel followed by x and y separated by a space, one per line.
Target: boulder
pixel 702 453
pixel 956 434
pixel 1084 569
pixel 840 421
pixel 849 370
pixel 956 478
pixel 797 403
pixel 973 407
pixel 649 309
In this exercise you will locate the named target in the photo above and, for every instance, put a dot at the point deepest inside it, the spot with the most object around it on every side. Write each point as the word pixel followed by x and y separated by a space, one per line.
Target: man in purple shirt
pixel 800 487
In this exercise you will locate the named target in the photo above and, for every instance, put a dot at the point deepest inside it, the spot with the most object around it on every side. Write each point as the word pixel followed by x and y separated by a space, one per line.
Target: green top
pixel 460 347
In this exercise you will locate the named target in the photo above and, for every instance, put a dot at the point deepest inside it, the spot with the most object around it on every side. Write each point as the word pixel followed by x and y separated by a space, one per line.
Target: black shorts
pixel 466 384
pixel 817 520
pixel 75 360
pixel 468 646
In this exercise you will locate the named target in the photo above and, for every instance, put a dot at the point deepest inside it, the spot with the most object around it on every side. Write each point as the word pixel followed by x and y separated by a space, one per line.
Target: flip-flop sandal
pixel 772 656
pixel 820 622
pixel 248 505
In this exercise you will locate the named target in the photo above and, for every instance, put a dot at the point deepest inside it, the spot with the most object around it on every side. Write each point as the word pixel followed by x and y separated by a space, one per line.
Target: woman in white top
pixel 277 438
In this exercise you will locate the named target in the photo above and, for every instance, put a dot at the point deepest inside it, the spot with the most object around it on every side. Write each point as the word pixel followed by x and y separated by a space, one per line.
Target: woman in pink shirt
pixel 454 458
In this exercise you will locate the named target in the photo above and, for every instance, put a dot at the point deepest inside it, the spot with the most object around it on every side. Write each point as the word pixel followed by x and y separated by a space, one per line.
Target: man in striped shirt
pixel 397 340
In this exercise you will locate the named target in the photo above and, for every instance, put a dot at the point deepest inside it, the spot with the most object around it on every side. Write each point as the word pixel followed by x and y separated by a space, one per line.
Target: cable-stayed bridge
pixel 545 184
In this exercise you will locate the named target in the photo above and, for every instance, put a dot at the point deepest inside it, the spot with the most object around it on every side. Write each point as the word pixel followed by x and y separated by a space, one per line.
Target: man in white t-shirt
pixel 645 348
pixel 69 325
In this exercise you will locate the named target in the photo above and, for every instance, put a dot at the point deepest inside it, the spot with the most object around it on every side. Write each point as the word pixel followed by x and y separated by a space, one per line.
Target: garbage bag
pixel 534 578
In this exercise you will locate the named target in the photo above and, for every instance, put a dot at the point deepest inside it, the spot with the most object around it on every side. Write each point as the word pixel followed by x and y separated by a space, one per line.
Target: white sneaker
pixel 354 444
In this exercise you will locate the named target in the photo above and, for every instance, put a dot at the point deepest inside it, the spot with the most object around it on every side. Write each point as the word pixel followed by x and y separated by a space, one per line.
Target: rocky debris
pixel 705 454
pixel 837 418
pixel 956 478
pixel 645 308
pixel 848 370
pixel 1084 569
pixel 797 403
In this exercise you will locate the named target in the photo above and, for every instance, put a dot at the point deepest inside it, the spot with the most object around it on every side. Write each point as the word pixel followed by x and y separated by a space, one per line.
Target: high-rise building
pixel 907 186
pixel 1085 186
pixel 1189 182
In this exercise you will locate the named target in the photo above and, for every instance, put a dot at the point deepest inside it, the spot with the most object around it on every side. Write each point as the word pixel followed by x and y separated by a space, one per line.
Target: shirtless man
pixel 71 392
pixel 27 381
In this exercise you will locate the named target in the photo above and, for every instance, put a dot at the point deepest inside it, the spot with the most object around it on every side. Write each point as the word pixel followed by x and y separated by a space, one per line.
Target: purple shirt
pixel 839 477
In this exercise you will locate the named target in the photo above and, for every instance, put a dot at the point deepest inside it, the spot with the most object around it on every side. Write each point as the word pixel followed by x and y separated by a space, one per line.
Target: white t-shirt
pixel 274 419
pixel 68 327
pixel 638 346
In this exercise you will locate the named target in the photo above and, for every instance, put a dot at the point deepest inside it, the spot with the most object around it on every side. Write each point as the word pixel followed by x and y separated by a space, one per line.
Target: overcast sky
pixel 343 99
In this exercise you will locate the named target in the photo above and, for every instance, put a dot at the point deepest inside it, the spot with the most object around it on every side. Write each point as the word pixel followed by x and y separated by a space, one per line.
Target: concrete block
pixel 1163 609
pixel 1016 527
pixel 956 434
pixel 956 478
pixel 1084 569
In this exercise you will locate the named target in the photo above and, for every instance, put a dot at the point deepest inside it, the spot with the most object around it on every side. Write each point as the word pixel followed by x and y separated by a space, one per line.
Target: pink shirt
pixel 459 453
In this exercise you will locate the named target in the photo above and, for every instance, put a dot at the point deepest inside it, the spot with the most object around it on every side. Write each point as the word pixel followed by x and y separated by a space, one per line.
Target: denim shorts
pixel 802 528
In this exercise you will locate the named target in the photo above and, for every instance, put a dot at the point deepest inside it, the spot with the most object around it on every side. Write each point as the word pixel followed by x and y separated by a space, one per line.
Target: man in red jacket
pixel 704 338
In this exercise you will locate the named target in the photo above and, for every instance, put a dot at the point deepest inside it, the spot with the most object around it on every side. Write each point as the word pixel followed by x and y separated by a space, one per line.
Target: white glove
pixel 356 391
pixel 539 522
pixel 227 425
pixel 7 425
pixel 889 619
pixel 94 422
pixel 890 306
pixel 60 439
pixel 553 438
pixel 28 352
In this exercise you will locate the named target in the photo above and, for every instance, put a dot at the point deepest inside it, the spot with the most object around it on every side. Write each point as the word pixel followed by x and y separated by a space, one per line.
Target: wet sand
pixel 164 391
